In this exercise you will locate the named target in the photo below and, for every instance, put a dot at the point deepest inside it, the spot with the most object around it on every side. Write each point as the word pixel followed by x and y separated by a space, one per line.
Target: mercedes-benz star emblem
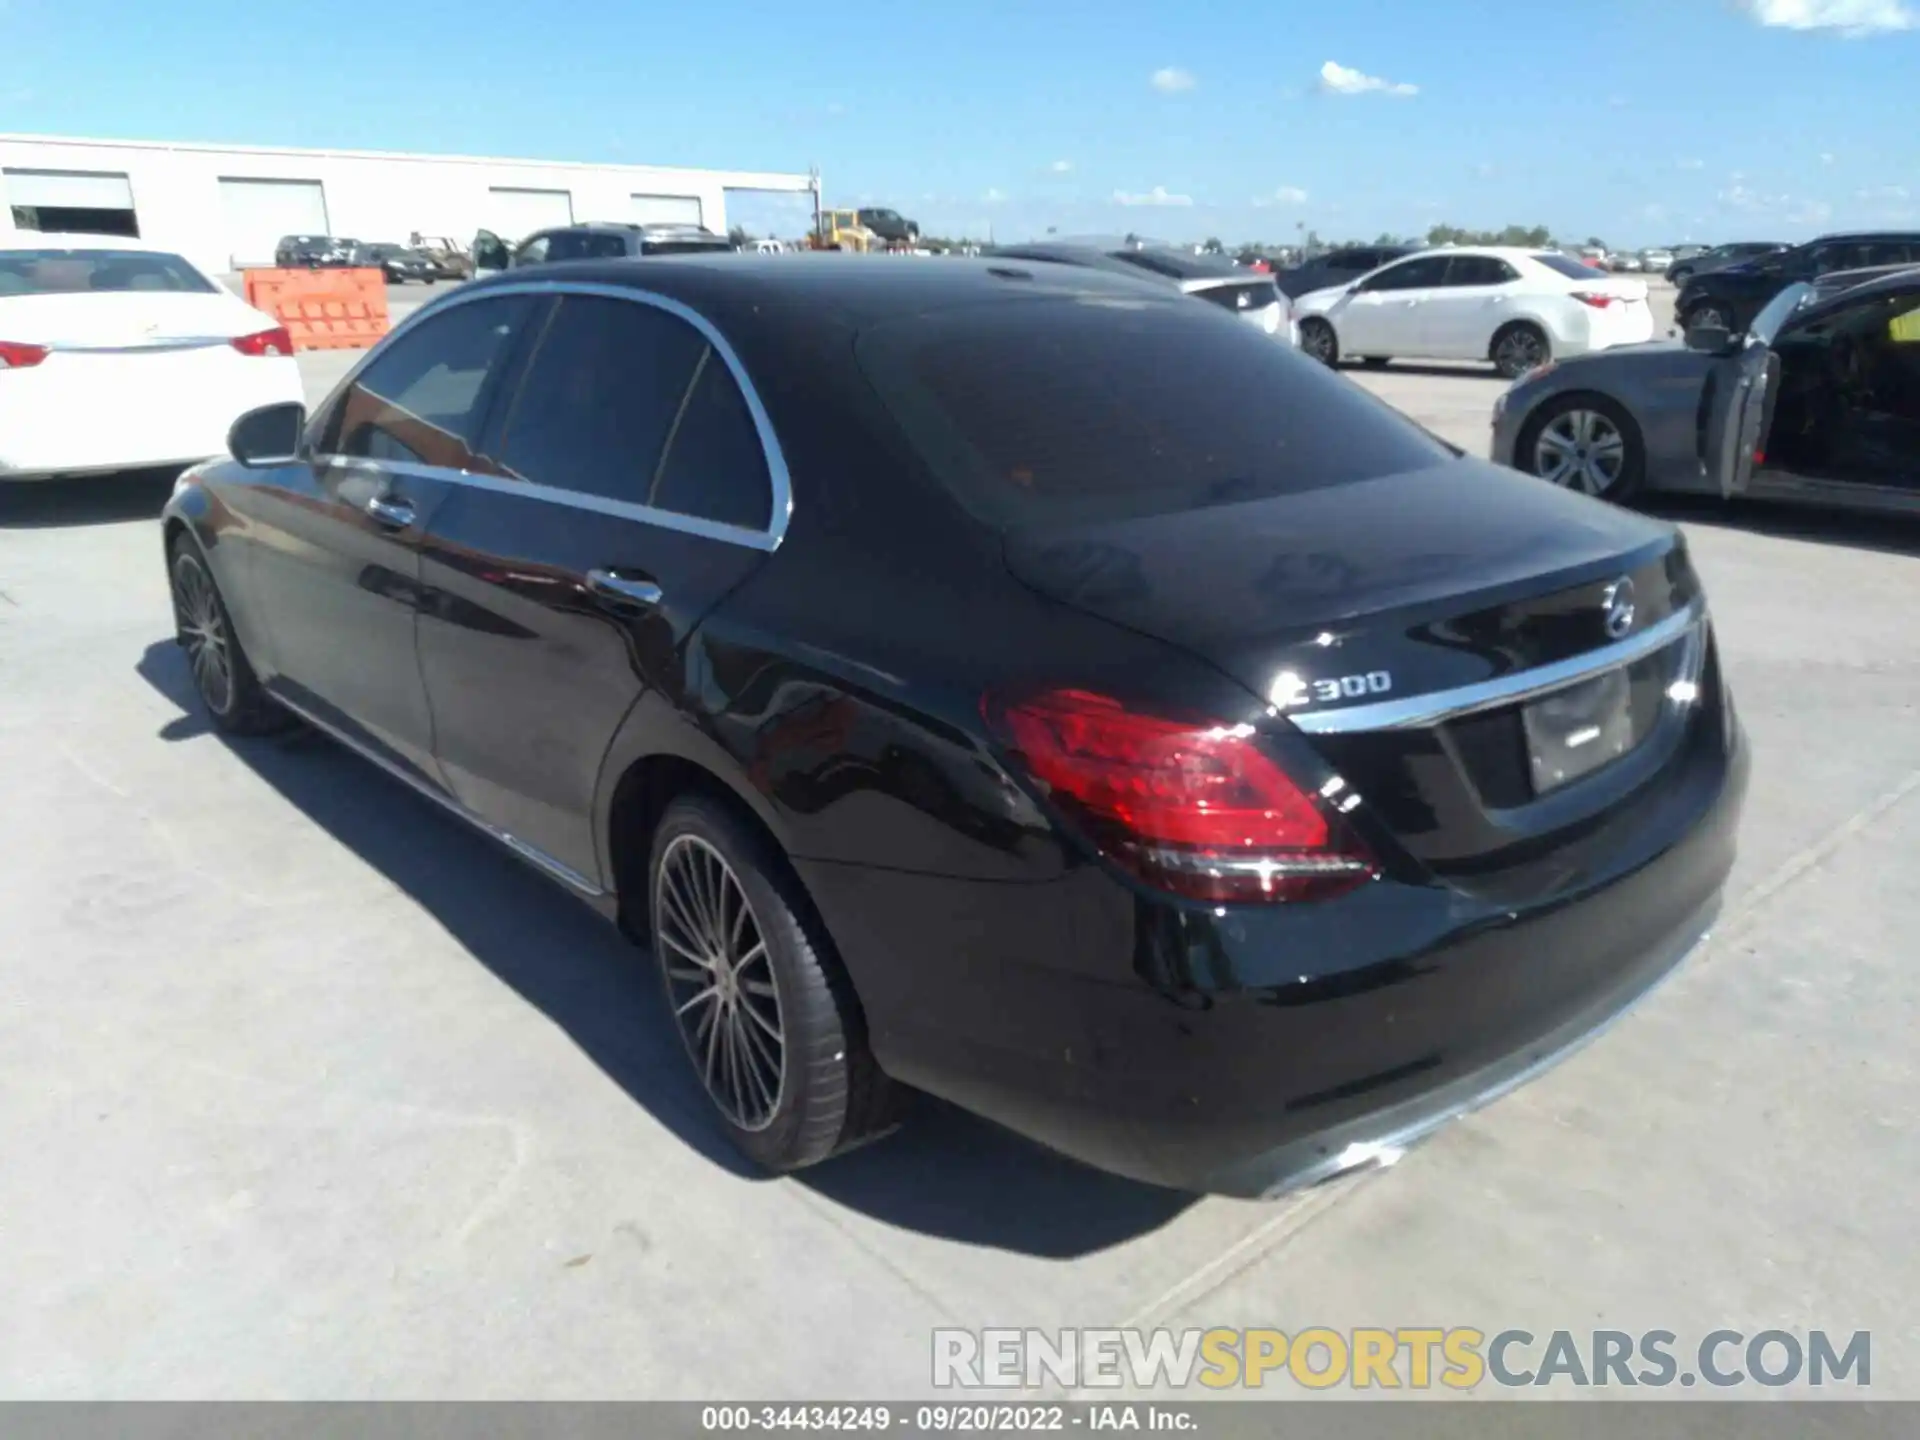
pixel 1616 607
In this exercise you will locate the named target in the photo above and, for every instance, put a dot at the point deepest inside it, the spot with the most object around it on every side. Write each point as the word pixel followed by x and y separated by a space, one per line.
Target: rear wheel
pixel 1318 340
pixel 1518 348
pixel 1709 313
pixel 765 1009
pixel 1585 443
pixel 232 693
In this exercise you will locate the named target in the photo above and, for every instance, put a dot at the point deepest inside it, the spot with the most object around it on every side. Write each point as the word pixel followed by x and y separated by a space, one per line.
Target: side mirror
pixel 268 436
pixel 1710 339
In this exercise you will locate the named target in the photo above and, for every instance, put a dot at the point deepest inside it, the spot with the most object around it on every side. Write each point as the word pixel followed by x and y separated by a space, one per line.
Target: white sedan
pixel 115 356
pixel 1518 308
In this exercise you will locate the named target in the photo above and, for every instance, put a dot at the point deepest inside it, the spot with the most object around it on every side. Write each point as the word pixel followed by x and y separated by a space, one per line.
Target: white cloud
pixel 1343 80
pixel 1826 157
pixel 1883 192
pixel 1159 195
pixel 1061 167
pixel 1485 170
pixel 1616 102
pixel 1793 209
pixel 1849 17
pixel 994 197
pixel 1687 164
pixel 1285 195
pixel 1172 80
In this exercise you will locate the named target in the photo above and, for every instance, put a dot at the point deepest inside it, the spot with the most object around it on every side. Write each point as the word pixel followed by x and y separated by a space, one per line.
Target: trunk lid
pixel 126 320
pixel 1361 613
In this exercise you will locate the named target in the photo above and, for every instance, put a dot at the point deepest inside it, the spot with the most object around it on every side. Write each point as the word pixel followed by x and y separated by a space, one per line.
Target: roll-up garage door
pixel 668 209
pixel 260 212
pixel 515 214
pixel 83 201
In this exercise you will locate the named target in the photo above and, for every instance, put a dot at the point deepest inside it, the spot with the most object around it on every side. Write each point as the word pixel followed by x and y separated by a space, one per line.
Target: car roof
pixel 856 289
pixel 1169 262
pixel 1906 277
pixel 64 240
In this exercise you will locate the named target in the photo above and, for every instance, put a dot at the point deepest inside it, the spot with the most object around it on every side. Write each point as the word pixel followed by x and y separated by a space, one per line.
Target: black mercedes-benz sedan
pixel 1015 683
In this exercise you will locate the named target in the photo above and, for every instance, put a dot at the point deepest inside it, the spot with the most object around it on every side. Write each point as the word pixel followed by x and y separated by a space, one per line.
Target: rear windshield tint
pixel 1566 265
pixel 75 272
pixel 1049 411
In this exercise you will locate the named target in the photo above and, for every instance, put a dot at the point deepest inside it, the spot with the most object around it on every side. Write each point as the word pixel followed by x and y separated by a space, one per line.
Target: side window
pixel 1411 274
pixel 420 399
pixel 605 247
pixel 567 245
pixel 605 382
pixel 1479 270
pixel 1353 262
pixel 534 251
pixel 715 466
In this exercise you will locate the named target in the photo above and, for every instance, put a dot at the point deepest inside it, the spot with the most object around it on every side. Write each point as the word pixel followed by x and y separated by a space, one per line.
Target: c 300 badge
pixel 1289 690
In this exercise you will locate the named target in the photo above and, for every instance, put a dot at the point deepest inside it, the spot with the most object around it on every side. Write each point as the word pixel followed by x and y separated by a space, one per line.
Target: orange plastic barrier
pixel 323 309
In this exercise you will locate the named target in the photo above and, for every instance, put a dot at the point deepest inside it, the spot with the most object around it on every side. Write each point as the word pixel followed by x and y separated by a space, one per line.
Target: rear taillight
pixel 265 342
pixel 1598 302
pixel 1200 811
pixel 14 355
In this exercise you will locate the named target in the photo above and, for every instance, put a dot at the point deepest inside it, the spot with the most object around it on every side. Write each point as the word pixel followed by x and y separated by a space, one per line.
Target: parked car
pixel 401 264
pixel 311 252
pixel 1655 260
pixel 1250 295
pixel 1624 262
pixel 1685 267
pixel 115 355
pixel 611 240
pixel 1835 281
pixel 1819 403
pixel 1728 298
pixel 889 225
pixel 1337 267
pixel 998 681
pixel 451 260
pixel 1516 307
pixel 1594 257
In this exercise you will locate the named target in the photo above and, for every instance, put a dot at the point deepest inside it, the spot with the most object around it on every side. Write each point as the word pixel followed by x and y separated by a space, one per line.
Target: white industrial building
pixel 225 206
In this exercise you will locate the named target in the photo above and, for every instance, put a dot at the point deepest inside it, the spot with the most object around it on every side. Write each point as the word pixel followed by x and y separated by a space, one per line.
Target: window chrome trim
pixel 780 480
pixel 1418 710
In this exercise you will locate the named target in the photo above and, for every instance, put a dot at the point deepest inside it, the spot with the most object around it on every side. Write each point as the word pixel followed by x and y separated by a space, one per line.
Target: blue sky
pixel 1641 121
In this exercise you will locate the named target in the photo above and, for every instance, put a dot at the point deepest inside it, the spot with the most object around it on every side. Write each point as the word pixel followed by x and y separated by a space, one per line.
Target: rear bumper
pixel 1252 1050
pixel 54 425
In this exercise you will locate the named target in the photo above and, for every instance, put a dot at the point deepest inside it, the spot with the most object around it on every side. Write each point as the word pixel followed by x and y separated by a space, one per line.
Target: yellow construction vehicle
pixel 842 230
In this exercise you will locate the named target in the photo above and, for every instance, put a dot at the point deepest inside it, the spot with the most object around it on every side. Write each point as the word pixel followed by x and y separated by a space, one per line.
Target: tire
pixel 1518 348
pixel 805 1087
pixel 1708 312
pixel 222 676
pixel 1375 362
pixel 1318 341
pixel 1582 425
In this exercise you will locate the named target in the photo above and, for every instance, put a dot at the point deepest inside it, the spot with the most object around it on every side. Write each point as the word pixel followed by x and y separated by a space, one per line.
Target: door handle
pixel 621 592
pixel 395 513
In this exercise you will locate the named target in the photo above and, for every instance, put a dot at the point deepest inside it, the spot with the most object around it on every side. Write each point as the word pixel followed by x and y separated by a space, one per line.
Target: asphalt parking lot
pixel 309 1092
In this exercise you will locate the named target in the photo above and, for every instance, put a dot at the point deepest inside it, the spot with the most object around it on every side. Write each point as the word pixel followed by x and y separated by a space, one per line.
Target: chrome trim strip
pixel 535 856
pixel 147 347
pixel 1418 710
pixel 779 477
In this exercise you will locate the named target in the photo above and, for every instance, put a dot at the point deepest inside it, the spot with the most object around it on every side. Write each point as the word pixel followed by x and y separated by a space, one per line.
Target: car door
pixel 333 541
pixel 1472 301
pixel 1383 315
pixel 633 487
pixel 1738 401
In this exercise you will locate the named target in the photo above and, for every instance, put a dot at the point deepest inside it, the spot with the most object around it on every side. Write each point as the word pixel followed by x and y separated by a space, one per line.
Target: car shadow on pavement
pixel 85 499
pixel 1889 534
pixel 1463 370
pixel 946 1173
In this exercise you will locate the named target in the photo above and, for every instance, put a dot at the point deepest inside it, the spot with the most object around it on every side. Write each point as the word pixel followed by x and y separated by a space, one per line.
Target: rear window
pixel 73 272
pixel 688 246
pixel 1092 410
pixel 1565 265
